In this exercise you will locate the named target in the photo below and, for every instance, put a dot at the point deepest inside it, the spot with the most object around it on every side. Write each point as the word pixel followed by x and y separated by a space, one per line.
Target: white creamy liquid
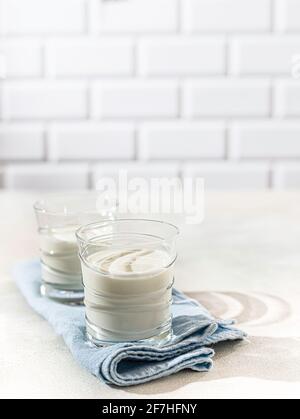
pixel 59 252
pixel 128 294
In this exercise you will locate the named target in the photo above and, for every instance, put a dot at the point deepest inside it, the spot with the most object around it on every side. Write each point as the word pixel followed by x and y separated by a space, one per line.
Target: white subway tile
pixel 47 177
pixel 21 58
pixel 270 55
pixel 134 16
pixel 228 175
pixel 227 15
pixel 134 170
pixel 44 100
pixel 288 15
pixel 181 56
pixel 42 16
pixel 266 140
pixel 286 176
pixel 90 57
pixel 287 99
pixel 92 141
pixel 182 141
pixel 135 99
pixel 21 142
pixel 226 98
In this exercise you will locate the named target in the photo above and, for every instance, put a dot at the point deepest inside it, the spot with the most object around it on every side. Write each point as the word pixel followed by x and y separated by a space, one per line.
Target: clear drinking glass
pixel 128 275
pixel 59 216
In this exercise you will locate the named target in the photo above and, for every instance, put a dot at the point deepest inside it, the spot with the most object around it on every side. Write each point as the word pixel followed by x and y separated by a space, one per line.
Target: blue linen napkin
pixel 129 364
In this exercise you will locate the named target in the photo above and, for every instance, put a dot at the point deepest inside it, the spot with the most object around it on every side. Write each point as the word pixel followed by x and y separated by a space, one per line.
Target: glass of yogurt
pixel 59 216
pixel 128 275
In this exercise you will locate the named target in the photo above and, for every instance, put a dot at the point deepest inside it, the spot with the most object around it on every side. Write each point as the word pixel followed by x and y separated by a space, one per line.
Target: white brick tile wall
pixel 265 140
pixel 22 142
pixel 44 100
pixel 269 55
pixel 286 176
pixel 288 15
pixel 181 56
pixel 92 141
pixel 134 16
pixel 135 99
pixel 42 17
pixel 182 141
pixel 227 15
pixel 160 87
pixel 90 57
pixel 21 58
pixel 226 97
pixel 50 177
pixel 230 176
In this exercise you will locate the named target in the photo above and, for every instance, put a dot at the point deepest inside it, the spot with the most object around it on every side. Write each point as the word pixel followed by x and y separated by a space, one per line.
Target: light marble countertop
pixel 242 262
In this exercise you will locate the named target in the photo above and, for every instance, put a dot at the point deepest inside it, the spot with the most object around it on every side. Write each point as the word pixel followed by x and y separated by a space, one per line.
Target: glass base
pixel 162 338
pixel 72 297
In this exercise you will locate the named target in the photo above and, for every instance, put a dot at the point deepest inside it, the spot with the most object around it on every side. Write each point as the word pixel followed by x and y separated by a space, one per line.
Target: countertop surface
pixel 243 261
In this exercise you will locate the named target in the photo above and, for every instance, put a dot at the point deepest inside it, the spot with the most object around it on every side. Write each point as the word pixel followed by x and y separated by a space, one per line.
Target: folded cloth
pixel 129 364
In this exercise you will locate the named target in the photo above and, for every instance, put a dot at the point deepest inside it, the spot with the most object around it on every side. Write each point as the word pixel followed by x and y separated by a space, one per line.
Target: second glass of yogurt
pixel 128 275
pixel 59 216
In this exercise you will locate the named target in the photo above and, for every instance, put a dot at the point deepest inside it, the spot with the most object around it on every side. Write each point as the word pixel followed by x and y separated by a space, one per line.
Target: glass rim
pixel 108 222
pixel 39 205
pixel 124 275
